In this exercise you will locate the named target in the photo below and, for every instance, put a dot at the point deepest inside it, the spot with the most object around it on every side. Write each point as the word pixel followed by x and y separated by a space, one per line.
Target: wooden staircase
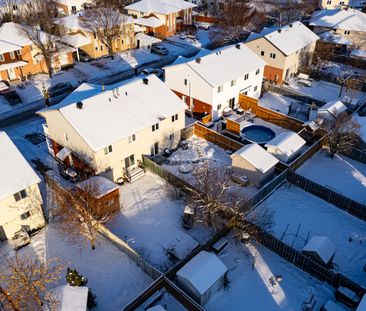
pixel 133 174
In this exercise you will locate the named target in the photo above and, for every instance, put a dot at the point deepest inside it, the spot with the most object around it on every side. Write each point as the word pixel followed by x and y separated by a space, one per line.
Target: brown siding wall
pixel 270 73
pixel 199 106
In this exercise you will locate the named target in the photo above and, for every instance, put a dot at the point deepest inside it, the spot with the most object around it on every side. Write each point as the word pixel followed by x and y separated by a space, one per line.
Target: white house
pixel 210 83
pixel 286 146
pixel 331 110
pixel 20 199
pixel 252 161
pixel 109 131
pixel 202 276
pixel 321 248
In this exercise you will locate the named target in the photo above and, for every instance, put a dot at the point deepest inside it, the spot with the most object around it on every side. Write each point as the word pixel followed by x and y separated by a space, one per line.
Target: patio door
pixel 154 149
pixel 11 74
pixel 130 161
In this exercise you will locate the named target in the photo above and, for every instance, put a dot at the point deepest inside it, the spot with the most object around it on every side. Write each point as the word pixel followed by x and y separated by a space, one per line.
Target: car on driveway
pixel 60 89
pixel 4 86
pixel 159 49
pixel 12 97
pixel 156 71
pixel 21 238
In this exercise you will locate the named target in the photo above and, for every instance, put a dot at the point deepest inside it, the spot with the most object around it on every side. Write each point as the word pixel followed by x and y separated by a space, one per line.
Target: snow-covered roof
pixel 72 22
pixel 226 64
pixel 256 35
pixel 334 107
pixel 6 47
pixel 71 298
pixel 322 246
pixel 287 142
pixel 358 53
pixel 347 19
pixel 331 37
pixel 160 6
pixel 151 21
pixel 202 271
pixel 12 34
pixel 261 159
pixel 106 117
pixel 146 39
pixel 291 38
pixel 181 59
pixel 100 186
pixel 362 129
pixel 76 40
pixel 332 306
pixel 15 172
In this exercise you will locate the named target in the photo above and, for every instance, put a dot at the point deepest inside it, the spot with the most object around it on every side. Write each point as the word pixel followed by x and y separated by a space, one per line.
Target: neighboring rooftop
pixel 15 172
pixel 322 246
pixel 287 142
pixel 125 109
pixel 347 19
pixel 333 107
pixel 11 34
pixel 160 6
pixel 257 156
pixel 151 21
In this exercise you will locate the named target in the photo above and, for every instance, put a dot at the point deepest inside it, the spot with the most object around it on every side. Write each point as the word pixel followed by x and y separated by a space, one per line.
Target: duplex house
pixel 283 49
pixel 161 17
pixel 20 199
pixel 108 131
pixel 349 24
pixel 19 57
pixel 78 36
pixel 213 82
pixel 333 4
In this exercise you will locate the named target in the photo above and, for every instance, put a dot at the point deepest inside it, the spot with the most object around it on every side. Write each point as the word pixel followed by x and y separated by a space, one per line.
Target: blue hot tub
pixel 257 134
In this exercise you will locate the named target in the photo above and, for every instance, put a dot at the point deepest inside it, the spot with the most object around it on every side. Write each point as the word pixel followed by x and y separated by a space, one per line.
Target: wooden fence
pixel 326 194
pixel 356 154
pixel 307 154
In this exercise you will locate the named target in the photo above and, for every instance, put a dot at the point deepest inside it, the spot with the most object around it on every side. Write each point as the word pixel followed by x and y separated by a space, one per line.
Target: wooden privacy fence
pixel 356 154
pixel 307 154
pixel 326 194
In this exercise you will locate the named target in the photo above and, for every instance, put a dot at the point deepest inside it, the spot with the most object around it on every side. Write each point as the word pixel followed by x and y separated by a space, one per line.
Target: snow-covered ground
pixel 250 289
pixel 341 70
pixel 300 211
pixel 112 275
pixel 150 222
pixel 342 174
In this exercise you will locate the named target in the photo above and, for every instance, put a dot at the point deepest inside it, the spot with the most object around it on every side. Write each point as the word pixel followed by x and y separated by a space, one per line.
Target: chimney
pixel 79 105
pixel 198 60
pixel 110 100
pixel 279 30
pixel 126 93
pixel 145 80
pixel 290 25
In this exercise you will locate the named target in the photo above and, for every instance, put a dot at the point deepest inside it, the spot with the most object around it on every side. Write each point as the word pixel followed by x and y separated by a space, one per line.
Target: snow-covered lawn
pixel 341 70
pixel 342 174
pixel 250 289
pixel 112 275
pixel 300 211
pixel 150 222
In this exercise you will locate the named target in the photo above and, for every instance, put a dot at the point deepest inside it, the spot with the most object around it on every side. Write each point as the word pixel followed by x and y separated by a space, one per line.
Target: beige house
pixel 109 131
pixel 81 38
pixel 283 49
pixel 332 4
pixel 255 163
pixel 20 199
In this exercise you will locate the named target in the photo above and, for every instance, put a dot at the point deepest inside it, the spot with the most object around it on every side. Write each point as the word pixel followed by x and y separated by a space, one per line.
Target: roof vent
pixel 290 25
pixel 237 46
pixel 145 80
pixel 79 105
pixel 279 30
pixel 198 60
pixel 110 99
pixel 126 93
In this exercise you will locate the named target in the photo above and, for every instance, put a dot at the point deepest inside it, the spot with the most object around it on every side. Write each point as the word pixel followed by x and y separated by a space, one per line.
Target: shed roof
pixel 72 298
pixel 322 246
pixel 160 6
pixel 334 107
pixel 287 142
pixel 101 185
pixel 203 270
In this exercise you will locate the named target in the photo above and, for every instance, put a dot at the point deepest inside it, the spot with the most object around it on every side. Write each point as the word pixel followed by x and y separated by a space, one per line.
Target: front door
pixel 11 74
pixel 232 103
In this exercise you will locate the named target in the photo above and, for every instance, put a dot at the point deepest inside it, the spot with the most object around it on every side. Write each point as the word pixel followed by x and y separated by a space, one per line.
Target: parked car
pixel 159 49
pixel 60 89
pixel 83 57
pixel 4 86
pixel 156 71
pixel 21 238
pixel 12 97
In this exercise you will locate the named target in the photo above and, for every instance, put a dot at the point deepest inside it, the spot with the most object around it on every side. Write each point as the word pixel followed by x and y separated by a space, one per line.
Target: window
pixel 109 202
pixel 341 3
pixel 262 53
pixel 219 106
pixel 171 136
pixel 129 161
pixel 175 117
pixel 20 195
pixel 66 137
pixel 347 32
pixel 220 88
pixel 255 88
pixel 101 47
pixel 19 52
pixel 96 49
pixel 155 127
pixel 1 58
pixel 272 55
pixel 246 93
pixel 185 81
pixel 12 55
pixel 132 138
pixel 233 82
pixel 25 215
pixel 94 35
pixel 108 149
pixel 246 77
pixel 329 2
pixel 257 71
pixel 15 7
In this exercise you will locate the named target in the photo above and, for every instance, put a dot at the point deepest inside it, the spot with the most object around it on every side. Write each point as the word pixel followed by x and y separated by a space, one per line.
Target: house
pixel 78 36
pixel 333 4
pixel 73 298
pixel 108 131
pixel 162 18
pixel 252 161
pixel 210 83
pixel 286 146
pixel 68 7
pixel 321 249
pixel 202 276
pixel 284 49
pixel 350 24
pixel 160 293
pixel 331 110
pixel 20 199
pixel 19 57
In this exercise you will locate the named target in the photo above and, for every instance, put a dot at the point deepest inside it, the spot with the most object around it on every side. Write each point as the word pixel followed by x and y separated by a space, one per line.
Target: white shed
pixel 286 146
pixel 254 162
pixel 202 276
pixel 321 249
pixel 331 110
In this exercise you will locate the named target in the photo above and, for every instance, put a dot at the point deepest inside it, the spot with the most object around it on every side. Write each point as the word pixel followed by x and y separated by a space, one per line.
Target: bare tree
pixel 25 281
pixel 37 24
pixel 80 213
pixel 322 52
pixel 342 135
pixel 9 7
pixel 106 22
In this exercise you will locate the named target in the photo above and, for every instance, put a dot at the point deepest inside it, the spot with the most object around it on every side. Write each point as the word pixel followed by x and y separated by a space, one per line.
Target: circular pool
pixel 257 134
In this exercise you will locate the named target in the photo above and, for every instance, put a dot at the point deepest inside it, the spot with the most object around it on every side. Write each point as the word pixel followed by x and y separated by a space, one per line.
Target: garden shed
pixel 321 249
